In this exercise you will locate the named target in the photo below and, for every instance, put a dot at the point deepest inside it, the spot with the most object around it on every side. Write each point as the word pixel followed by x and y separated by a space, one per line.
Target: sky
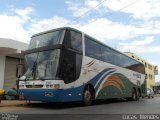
pixel 126 25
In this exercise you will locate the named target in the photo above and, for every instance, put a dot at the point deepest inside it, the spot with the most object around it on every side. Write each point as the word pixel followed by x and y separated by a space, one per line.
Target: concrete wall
pixel 12 48
pixel 2 69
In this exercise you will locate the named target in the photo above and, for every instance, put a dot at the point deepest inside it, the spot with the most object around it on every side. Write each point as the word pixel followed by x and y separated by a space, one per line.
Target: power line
pixel 104 15
pixel 118 10
pixel 85 13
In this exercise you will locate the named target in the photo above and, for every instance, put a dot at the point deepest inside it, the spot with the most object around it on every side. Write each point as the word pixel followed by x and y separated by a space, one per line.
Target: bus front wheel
pixel 87 96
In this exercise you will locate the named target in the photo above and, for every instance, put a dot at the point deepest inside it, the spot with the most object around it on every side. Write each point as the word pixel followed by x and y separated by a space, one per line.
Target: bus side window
pixel 76 40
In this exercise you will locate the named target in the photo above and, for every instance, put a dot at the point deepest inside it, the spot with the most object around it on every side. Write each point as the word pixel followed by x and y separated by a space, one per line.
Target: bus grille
pixel 34 86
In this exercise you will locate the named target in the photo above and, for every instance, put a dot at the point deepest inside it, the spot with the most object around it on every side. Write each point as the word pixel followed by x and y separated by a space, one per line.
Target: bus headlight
pixel 57 86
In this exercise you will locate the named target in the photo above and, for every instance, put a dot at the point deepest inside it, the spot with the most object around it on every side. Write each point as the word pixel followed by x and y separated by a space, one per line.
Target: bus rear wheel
pixel 138 95
pixel 88 96
pixel 133 97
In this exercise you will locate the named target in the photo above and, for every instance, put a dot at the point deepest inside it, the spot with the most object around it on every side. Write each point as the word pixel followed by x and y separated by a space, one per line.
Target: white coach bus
pixel 64 65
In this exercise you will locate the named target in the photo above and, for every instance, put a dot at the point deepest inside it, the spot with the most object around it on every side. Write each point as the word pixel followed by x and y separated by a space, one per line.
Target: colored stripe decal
pixel 116 78
pixel 112 83
pixel 102 82
pixel 106 72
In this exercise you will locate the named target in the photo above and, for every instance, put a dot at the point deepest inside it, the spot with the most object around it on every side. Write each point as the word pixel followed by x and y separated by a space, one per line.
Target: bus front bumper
pixel 45 95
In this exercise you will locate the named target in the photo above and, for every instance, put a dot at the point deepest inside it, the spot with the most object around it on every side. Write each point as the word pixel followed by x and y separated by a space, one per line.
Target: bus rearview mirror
pixel 19 70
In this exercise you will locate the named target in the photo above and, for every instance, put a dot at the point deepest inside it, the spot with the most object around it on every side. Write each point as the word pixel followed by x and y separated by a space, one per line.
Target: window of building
pixel 145 64
pixel 150 66
pixel 150 76
pixel 146 76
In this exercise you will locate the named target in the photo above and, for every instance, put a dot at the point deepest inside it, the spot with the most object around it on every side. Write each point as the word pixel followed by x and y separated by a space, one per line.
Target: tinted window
pixel 68 67
pixel 93 49
pixel 76 40
pixel 106 54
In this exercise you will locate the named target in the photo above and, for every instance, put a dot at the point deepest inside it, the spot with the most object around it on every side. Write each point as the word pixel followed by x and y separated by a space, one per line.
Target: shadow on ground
pixel 71 104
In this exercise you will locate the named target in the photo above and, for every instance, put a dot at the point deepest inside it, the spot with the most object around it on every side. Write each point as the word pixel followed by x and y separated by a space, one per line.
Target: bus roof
pixel 52 30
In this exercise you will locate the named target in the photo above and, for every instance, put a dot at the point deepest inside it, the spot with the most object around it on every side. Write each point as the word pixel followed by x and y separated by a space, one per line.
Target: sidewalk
pixel 157 95
pixel 10 105
pixel 7 103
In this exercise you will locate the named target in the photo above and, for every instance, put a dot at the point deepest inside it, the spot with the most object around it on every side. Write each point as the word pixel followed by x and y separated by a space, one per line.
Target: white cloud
pixel 91 3
pixel 24 13
pixel 80 9
pixel 100 28
pixel 76 8
pixel 137 43
pixel 105 29
pixel 140 46
pixel 12 27
pixel 139 9
pixel 46 24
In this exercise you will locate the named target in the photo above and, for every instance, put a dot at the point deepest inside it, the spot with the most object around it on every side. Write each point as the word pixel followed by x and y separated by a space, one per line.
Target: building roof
pixel 12 48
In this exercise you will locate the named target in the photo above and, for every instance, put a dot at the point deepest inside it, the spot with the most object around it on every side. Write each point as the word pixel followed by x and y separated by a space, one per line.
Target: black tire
pixel 138 95
pixel 134 96
pixel 88 96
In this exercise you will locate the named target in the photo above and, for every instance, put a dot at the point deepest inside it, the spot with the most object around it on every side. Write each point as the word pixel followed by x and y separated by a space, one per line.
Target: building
pixel 10 56
pixel 149 68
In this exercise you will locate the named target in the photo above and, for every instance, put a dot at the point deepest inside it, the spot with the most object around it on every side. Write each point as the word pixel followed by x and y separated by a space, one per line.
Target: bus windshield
pixel 42 65
pixel 46 39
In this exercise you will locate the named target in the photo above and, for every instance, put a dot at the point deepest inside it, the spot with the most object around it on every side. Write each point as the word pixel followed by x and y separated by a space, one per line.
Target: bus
pixel 65 65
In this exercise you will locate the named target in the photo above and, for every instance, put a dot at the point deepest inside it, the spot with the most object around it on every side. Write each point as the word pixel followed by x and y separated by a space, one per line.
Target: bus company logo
pixel 136 75
pixel 9 117
pixel 90 63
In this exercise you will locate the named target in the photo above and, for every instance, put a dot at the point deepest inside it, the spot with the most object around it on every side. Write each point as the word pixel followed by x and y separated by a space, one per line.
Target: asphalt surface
pixel 111 109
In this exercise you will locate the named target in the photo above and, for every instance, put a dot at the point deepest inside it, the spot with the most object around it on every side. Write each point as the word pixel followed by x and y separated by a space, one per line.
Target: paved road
pixel 144 106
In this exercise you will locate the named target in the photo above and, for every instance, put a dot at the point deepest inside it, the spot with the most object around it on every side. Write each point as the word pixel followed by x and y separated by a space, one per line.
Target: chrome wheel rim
pixel 87 96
